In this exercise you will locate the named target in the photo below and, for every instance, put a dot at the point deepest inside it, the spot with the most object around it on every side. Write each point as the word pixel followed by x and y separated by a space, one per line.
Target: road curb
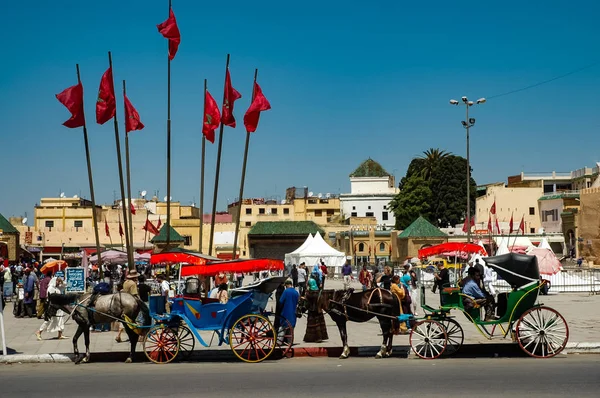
pixel 224 355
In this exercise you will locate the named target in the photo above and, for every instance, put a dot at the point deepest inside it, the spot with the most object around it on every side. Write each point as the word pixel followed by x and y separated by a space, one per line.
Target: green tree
pixel 413 201
pixel 445 199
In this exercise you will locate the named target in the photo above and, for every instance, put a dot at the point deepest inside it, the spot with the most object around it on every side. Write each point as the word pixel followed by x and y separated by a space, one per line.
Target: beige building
pixel 517 201
pixel 581 226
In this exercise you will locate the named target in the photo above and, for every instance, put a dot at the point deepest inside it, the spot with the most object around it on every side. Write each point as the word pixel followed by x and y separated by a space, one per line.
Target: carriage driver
pixel 472 289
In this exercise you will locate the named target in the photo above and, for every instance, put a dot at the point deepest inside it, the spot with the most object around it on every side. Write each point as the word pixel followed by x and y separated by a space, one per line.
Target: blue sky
pixel 347 80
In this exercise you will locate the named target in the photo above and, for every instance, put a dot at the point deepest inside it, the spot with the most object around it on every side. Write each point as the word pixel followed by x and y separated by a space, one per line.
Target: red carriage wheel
pixel 285 337
pixel 161 344
pixel 252 338
pixel 542 332
pixel 428 339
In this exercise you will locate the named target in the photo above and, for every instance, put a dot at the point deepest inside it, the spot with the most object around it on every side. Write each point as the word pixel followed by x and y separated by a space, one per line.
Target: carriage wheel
pixel 455 336
pixel 285 337
pixel 428 339
pixel 187 342
pixel 252 338
pixel 542 332
pixel 161 344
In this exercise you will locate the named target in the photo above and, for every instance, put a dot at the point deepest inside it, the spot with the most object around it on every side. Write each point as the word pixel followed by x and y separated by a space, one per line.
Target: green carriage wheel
pixel 455 336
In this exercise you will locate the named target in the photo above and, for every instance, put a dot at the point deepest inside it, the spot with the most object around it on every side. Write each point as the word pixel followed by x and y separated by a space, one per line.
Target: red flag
pixel 106 106
pixel 493 208
pixel 522 225
pixel 490 224
pixel 106 230
pixel 159 223
pixel 229 97
pixel 510 225
pixel 212 118
pixel 132 117
pixel 72 99
pixel 464 228
pixel 170 31
pixel 132 208
pixel 498 226
pixel 259 104
pixel 150 227
pixel 120 229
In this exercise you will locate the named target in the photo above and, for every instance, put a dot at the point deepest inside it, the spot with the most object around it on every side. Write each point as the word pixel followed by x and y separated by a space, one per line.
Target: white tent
pixel 316 250
pixel 545 245
pixel 288 259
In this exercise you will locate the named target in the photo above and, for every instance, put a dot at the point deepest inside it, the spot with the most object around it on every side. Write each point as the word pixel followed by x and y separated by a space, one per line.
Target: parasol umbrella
pixel 54 266
pixel 547 261
pixel 111 257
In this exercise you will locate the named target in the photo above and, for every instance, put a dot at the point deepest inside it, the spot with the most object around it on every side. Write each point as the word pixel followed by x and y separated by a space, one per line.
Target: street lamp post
pixel 467 124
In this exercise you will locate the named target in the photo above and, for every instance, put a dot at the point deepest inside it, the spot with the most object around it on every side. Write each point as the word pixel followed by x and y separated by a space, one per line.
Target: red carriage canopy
pixel 459 247
pixel 181 256
pixel 212 268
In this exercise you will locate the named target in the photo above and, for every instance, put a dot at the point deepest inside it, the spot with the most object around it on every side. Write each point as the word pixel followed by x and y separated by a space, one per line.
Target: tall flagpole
pixel 128 170
pixel 146 230
pixel 201 236
pixel 168 225
pixel 216 191
pixel 243 179
pixel 124 207
pixel 91 181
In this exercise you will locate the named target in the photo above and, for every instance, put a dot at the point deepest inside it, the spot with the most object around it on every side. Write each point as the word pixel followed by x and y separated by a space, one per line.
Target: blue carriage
pixel 243 323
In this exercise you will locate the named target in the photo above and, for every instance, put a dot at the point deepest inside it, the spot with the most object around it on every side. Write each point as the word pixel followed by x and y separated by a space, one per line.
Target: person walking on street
pixel 29 286
pixel 347 274
pixel 289 301
pixel 164 291
pixel 302 279
pixel 44 284
pixel 324 273
pixel 54 318
pixel 294 275
pixel 365 278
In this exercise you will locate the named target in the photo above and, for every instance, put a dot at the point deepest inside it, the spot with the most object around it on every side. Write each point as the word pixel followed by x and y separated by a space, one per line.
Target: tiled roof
pixel 421 228
pixel 162 236
pixel 6 226
pixel 285 228
pixel 369 168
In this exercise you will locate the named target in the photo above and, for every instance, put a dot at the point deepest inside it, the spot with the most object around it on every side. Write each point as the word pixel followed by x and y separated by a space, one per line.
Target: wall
pixel 588 227
pixel 515 201
pixel 362 185
pixel 361 205
pixel 550 211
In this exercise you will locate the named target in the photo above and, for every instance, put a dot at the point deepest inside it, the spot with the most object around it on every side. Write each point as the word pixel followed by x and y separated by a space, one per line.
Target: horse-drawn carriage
pixel 539 330
pixel 252 332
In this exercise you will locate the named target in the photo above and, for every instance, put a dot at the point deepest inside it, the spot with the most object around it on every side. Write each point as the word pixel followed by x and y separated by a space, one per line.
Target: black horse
pixel 107 308
pixel 344 306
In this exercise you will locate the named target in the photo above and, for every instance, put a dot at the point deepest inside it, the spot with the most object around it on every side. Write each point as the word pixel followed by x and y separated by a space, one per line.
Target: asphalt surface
pixel 573 375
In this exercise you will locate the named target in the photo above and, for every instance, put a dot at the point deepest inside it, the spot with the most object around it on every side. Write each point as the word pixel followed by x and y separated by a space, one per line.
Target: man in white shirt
pixel 164 291
pixel 302 279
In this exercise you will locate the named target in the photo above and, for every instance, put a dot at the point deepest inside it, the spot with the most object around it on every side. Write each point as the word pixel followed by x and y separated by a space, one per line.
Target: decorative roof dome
pixel 369 168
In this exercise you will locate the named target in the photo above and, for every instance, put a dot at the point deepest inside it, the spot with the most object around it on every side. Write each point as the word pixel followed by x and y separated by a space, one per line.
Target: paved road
pixel 575 376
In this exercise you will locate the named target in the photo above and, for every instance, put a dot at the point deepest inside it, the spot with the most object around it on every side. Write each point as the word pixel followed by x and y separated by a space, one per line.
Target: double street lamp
pixel 467 124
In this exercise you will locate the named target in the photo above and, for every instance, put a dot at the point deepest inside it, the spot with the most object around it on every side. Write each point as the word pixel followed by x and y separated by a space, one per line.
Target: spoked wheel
pixel 285 337
pixel 252 338
pixel 542 332
pixel 428 339
pixel 454 336
pixel 161 344
pixel 187 342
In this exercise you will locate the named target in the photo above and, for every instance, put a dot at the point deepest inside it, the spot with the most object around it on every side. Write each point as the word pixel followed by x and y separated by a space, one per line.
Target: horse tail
pixel 145 312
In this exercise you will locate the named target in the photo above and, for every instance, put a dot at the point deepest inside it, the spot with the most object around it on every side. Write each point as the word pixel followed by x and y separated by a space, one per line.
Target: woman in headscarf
pixel 318 275
pixel 399 290
pixel 316 329
pixel 54 318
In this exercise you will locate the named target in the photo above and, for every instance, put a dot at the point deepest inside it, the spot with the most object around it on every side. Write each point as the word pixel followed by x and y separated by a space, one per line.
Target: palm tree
pixel 432 158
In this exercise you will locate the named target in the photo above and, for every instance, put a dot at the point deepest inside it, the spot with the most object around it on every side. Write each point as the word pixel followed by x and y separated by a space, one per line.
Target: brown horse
pixel 343 306
pixel 107 308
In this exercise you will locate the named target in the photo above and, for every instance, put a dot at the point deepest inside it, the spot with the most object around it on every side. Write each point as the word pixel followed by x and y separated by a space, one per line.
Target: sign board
pixel 75 280
pixel 28 238
pixel 60 274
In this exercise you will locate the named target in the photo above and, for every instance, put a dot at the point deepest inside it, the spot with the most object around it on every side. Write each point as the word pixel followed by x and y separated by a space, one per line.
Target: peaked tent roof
pixel 285 228
pixel 6 226
pixel 421 228
pixel 306 243
pixel 162 236
pixel 369 168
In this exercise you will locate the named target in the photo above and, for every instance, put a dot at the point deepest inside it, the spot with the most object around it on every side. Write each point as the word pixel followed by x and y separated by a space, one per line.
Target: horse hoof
pixel 378 356
pixel 128 360
pixel 343 356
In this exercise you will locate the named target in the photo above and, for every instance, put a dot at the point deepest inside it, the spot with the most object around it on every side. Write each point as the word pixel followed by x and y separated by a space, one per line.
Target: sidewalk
pixel 580 311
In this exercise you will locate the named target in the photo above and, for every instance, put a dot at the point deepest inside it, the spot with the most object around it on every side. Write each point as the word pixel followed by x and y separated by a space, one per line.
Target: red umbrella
pixel 462 247
pixel 547 261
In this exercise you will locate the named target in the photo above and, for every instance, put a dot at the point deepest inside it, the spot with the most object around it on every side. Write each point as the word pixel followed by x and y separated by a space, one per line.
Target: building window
pixel 286 211
pixel 78 223
pixel 532 211
pixel 318 213
pixel 353 214
pixel 261 210
pixel 382 247
pixel 330 212
pixel 384 207
pixel 187 240
pixel 369 214
pixel 248 210
pixel 532 230
pixel 361 247
pixel 369 207
pixel 274 210
pixel 384 216
pixel 248 223
pixel 49 224
pixel 353 207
